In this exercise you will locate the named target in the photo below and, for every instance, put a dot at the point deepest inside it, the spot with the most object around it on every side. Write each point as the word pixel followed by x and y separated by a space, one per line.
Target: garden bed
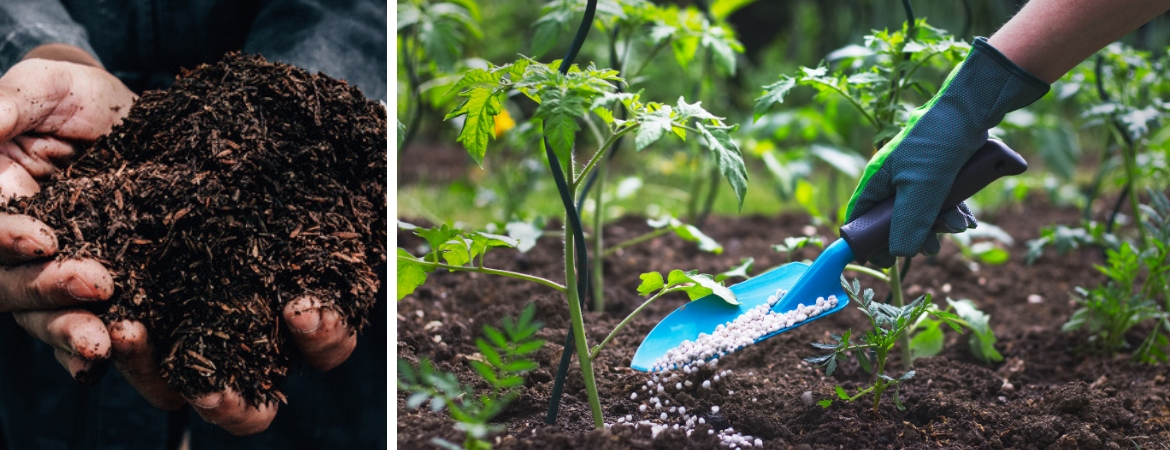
pixel 1044 394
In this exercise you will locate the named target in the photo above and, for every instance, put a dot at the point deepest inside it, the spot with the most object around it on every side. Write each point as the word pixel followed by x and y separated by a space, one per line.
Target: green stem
pixel 646 61
pixel 598 242
pixel 502 273
pixel 577 321
pixel 896 290
pixel 636 240
pixel 597 349
pixel 712 192
pixel 868 271
pixel 597 157
pixel 855 103
pixel 1132 174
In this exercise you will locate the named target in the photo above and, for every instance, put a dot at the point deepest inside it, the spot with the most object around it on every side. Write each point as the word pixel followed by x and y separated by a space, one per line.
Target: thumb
pixel 30 92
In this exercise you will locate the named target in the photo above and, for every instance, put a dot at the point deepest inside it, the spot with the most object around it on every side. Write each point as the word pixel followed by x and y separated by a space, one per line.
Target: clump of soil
pixel 246 185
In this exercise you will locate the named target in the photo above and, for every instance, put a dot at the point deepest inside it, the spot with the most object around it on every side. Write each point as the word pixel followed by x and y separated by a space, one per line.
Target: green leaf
pixel 928 341
pixel 479 126
pixel 475 78
pixel 520 366
pixel 705 286
pixel 723 46
pixel 481 242
pixel 727 157
pixel 437 236
pixel 825 403
pixel 720 9
pixel 485 371
pixel 651 281
pixel 495 336
pixel 863 358
pixel 525 233
pixel 982 340
pixel 677 277
pixel 745 266
pixel 400 134
pixel 906 376
pixel 489 353
pixel 457 251
pixel 684 49
pixel 841 393
pixel 652 126
pixel 410 275
pixel 773 94
pixel 848 163
pixel 528 347
pixel 560 111
pixel 691 233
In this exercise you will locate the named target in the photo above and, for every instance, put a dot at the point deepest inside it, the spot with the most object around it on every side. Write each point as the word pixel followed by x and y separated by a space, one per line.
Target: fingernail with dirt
pixel 208 401
pixel 81 290
pixel 308 320
pixel 28 247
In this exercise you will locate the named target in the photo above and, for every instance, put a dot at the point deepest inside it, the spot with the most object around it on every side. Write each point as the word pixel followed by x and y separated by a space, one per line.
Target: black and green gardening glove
pixel 920 163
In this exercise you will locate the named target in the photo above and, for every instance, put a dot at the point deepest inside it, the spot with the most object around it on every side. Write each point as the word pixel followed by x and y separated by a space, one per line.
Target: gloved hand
pixel 919 165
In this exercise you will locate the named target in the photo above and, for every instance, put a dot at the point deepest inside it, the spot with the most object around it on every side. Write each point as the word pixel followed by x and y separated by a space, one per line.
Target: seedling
pixel 502 362
pixel 1109 310
pixel 888 325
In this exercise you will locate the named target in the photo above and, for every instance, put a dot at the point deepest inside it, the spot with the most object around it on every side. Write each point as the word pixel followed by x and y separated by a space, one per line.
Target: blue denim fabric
pixel 41 407
pixel 144 43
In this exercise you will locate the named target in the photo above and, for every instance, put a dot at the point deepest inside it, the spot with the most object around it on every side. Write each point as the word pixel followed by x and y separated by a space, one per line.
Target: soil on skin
pixel 1044 395
pixel 215 203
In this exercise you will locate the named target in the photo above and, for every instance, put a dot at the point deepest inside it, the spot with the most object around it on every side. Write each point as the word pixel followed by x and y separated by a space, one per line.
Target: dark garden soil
pixel 216 202
pixel 1044 395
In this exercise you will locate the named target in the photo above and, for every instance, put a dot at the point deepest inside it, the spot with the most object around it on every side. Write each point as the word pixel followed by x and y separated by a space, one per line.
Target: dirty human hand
pixel 56 97
pixel 45 107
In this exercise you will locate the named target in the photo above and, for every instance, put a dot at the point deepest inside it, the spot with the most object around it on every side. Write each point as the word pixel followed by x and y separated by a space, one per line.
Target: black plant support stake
pixel 574 218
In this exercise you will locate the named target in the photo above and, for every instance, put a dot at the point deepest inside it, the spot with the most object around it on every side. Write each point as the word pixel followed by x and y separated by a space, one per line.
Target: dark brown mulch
pixel 243 187
pixel 1044 395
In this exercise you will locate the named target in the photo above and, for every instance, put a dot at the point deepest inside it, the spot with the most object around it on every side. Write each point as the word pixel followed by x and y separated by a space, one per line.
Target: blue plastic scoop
pixel 860 239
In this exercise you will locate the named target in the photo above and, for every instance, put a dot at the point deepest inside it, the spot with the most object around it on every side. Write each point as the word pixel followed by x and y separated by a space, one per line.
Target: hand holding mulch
pixel 239 212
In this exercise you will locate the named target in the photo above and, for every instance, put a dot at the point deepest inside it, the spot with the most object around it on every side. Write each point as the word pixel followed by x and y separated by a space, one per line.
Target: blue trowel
pixel 860 239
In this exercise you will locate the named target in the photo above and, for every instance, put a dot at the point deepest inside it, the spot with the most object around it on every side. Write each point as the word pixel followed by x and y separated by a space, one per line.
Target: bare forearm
pixel 1050 37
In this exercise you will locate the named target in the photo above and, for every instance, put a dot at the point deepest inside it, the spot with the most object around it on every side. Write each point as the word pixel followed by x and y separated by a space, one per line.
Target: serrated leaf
pixel 685 48
pixel 773 94
pixel 825 403
pixel 489 352
pixel 481 242
pixel 652 126
pixel 841 393
pixel 410 276
pixel 727 157
pixel 560 112
pixel 651 282
pixel 437 236
pixel 479 126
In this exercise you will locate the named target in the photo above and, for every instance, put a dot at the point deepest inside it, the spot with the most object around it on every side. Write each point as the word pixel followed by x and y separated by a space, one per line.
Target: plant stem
pixel 896 290
pixel 709 203
pixel 597 156
pixel 598 242
pixel 597 349
pixel 1132 174
pixel 502 273
pixel 578 323
pixel 870 272
pixel 636 240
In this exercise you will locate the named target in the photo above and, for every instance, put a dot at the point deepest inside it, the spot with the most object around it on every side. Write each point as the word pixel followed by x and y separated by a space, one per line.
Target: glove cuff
pixel 987 68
